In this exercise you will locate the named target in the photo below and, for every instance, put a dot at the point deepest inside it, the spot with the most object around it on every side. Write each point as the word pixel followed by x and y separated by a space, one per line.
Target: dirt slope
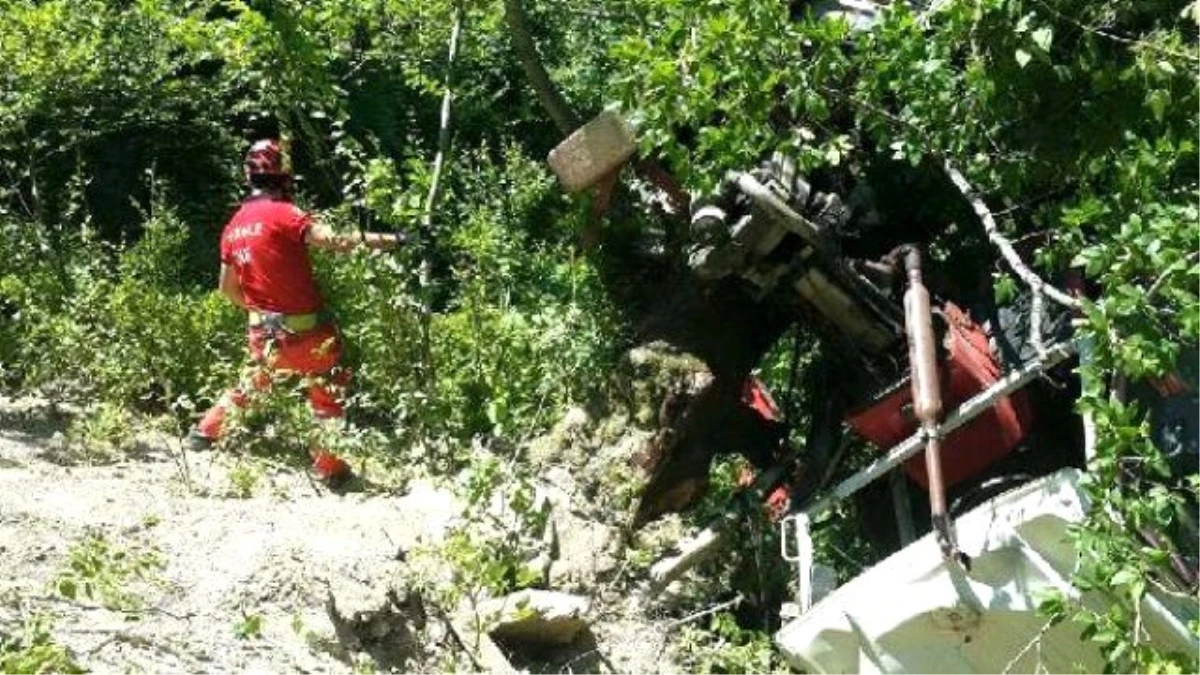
pixel 274 555
pixel 265 566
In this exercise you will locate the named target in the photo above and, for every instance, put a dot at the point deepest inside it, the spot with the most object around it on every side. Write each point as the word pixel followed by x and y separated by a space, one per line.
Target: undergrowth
pixel 31 648
pixel 109 572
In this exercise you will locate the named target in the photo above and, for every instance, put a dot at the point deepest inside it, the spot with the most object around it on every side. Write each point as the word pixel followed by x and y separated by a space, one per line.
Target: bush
pixel 515 330
pixel 119 325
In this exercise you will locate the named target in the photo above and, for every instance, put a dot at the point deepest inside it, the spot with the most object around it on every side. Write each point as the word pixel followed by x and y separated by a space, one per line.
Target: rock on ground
pixel 536 617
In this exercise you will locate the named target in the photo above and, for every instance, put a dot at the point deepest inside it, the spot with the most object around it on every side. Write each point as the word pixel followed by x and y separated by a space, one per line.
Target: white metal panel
pixel 912 613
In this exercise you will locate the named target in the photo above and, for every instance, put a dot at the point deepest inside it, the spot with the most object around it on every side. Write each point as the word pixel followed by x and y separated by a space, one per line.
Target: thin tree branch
pixel 435 184
pixel 454 633
pixel 1001 242
pixel 1089 436
pixel 531 62
pixel 444 129
pixel 707 612
pixel 1171 269
pixel 1036 640
pixel 1119 38
pixel 1036 313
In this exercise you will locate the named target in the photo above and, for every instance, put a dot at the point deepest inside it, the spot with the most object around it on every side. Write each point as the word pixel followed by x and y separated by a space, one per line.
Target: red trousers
pixel 314 352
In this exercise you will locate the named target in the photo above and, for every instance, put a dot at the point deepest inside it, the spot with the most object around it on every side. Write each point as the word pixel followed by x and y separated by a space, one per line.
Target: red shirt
pixel 264 243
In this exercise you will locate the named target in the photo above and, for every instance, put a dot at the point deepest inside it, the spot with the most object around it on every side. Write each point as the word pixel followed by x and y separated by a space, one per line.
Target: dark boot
pixel 197 442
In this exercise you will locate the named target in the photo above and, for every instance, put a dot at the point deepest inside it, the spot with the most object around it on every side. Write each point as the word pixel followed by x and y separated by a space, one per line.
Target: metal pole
pixel 927 395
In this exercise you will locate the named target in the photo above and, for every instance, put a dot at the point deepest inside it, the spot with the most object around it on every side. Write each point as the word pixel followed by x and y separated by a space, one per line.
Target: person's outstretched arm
pixel 321 236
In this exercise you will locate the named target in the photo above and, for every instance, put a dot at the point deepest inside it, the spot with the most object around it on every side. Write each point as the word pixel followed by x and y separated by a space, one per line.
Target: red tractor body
pixel 967 367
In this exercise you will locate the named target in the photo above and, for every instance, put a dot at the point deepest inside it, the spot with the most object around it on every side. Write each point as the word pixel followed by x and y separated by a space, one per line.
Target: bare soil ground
pixel 240 584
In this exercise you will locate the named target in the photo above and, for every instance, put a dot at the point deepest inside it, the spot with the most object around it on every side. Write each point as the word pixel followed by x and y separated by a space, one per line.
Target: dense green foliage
pixel 122 126
pixel 121 133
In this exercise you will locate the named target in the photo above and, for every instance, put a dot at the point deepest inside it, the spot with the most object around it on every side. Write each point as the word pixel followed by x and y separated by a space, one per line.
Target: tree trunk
pixel 726 329
pixel 531 62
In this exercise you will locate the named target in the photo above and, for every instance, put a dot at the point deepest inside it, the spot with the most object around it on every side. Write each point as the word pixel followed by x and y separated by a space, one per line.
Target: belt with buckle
pixel 292 323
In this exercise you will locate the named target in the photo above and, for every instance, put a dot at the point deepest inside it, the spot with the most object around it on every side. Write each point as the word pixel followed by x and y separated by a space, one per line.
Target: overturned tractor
pixel 964 400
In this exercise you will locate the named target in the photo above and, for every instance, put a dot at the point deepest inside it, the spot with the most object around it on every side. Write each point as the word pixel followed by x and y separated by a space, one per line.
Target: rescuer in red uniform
pixel 266 270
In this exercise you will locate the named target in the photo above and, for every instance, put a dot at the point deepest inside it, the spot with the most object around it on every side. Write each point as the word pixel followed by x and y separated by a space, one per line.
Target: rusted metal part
pixel 922 347
pixel 664 180
pixel 966 366
pixel 926 396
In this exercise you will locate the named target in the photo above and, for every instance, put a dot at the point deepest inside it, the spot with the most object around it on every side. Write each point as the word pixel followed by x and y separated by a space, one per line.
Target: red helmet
pixel 265 158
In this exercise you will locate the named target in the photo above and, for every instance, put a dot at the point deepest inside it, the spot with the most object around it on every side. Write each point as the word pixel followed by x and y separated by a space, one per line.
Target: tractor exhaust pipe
pixel 927 398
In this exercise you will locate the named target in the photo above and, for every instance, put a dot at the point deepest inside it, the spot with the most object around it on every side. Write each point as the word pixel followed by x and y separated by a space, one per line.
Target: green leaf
pixel 1158 100
pixel 1005 289
pixel 1053 607
pixel 1023 57
pixel 1042 37
pixel 1119 650
pixel 1137 589
pixel 67 588
pixel 1125 576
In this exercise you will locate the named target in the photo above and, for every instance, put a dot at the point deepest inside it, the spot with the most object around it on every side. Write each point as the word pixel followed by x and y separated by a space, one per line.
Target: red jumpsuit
pixel 264 244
